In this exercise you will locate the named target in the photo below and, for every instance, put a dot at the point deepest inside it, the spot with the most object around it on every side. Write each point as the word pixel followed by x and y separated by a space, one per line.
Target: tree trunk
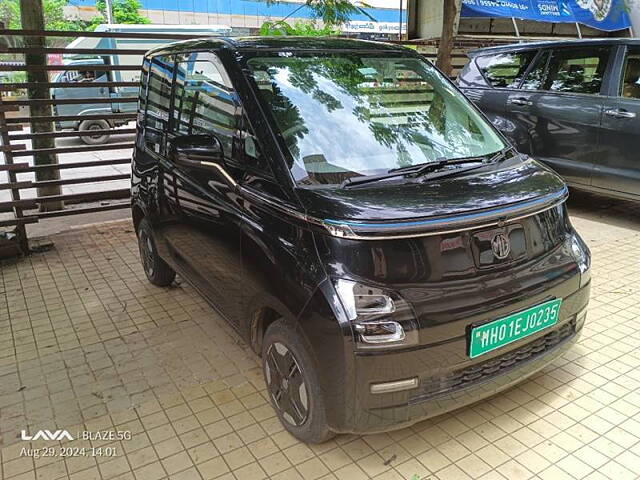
pixel 445 48
pixel 32 18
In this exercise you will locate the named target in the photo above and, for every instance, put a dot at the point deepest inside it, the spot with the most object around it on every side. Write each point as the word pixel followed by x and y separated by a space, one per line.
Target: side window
pixel 535 78
pixel 577 70
pixel 505 70
pixel 249 145
pixel 142 94
pixel 82 76
pixel 630 85
pixel 156 120
pixel 205 102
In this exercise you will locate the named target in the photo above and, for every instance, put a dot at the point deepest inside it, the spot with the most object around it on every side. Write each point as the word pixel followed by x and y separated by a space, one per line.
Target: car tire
pixel 292 384
pixel 155 268
pixel 87 125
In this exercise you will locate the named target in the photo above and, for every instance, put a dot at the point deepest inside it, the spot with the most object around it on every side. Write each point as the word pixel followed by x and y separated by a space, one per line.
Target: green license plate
pixel 492 335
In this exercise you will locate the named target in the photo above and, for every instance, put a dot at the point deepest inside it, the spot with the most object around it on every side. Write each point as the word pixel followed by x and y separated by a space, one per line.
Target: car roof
pixel 280 43
pixel 556 43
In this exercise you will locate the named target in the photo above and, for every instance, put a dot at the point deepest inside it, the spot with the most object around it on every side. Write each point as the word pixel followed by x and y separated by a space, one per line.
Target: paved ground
pixel 86 344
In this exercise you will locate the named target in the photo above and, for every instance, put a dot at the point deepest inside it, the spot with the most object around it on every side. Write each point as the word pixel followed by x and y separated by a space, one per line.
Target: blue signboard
pixel 606 15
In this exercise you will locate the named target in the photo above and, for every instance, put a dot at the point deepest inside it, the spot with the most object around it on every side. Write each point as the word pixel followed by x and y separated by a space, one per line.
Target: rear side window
pixel 630 85
pixel 158 102
pixel 142 96
pixel 84 76
pixel 205 102
pixel 535 78
pixel 577 70
pixel 505 70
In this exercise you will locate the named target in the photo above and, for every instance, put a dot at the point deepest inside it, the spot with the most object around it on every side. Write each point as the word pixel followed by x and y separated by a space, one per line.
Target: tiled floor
pixel 86 344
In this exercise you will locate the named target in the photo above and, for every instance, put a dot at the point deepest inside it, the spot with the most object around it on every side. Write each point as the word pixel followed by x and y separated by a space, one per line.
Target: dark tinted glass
pixel 505 69
pixel 144 76
pixel 630 85
pixel 577 70
pixel 205 102
pixel 158 100
pixel 535 78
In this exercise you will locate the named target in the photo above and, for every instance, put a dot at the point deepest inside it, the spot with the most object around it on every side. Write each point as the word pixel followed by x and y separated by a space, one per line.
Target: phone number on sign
pixel 69 452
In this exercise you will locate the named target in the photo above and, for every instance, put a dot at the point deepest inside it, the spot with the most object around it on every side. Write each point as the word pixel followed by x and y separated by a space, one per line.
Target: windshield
pixel 350 114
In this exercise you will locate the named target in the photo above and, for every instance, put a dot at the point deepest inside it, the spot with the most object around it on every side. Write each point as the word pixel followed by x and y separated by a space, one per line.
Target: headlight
pixel 380 319
pixel 583 259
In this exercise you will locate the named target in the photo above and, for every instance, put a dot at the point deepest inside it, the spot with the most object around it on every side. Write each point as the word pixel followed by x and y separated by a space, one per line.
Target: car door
pixel 488 80
pixel 618 168
pixel 202 211
pixel 560 101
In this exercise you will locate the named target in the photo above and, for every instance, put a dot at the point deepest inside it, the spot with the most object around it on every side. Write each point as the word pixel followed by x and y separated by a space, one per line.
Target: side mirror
pixel 195 151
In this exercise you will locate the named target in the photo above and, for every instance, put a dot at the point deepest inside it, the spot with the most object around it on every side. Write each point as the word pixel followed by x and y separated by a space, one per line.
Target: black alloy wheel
pixel 286 384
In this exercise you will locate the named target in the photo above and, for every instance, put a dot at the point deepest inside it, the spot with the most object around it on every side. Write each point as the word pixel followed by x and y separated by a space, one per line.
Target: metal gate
pixel 16 123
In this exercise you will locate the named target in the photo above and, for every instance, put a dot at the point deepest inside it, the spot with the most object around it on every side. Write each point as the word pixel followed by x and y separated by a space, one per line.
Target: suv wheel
pixel 292 384
pixel 97 139
pixel 156 269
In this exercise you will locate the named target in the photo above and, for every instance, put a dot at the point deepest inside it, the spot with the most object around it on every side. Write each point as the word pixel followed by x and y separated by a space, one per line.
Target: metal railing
pixel 16 127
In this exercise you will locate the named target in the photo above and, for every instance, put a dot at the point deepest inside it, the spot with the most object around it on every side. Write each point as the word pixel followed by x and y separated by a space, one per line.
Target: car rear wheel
pixel 292 384
pixel 156 269
pixel 98 138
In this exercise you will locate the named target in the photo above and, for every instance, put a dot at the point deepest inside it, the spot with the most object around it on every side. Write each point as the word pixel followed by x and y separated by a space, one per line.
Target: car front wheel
pixel 292 384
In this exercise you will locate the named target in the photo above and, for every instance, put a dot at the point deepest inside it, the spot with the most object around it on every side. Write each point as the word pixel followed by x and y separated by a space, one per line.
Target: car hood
pixel 513 181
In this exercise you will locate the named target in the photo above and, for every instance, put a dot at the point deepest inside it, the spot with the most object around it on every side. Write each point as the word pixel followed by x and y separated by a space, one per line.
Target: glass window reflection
pixel 342 115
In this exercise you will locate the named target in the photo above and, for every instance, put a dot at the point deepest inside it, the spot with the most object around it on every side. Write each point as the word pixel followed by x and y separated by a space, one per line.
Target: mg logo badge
pixel 500 246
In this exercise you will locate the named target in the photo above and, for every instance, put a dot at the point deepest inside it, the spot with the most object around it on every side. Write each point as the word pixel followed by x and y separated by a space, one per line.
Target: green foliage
pixel 124 11
pixel 10 13
pixel 333 13
pixel 54 18
pixel 299 28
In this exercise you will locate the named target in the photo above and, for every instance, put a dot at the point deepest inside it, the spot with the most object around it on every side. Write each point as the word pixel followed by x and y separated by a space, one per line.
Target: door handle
pixel 522 101
pixel 619 113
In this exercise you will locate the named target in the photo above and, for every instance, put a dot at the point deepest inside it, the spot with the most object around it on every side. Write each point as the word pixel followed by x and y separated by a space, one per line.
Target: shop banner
pixel 605 15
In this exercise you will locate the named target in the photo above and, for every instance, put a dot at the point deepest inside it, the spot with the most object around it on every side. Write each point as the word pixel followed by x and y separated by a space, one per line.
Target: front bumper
pixel 447 382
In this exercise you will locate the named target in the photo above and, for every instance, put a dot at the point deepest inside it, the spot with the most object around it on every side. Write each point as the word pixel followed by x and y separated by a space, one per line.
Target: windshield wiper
pixel 410 171
pixel 422 169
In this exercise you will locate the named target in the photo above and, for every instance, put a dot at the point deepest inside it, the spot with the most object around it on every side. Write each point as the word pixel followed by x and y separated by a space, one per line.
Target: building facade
pixel 246 16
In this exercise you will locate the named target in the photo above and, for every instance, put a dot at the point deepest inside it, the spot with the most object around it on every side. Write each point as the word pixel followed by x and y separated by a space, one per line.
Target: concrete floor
pixel 87 344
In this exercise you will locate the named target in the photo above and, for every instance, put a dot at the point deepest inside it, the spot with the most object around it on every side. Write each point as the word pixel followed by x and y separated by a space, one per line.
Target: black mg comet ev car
pixel 358 222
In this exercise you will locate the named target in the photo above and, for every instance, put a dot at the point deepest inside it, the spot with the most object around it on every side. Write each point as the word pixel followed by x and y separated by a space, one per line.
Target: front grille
pixel 466 377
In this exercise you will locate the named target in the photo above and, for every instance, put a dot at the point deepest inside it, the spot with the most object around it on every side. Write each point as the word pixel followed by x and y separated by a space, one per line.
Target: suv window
pixel 504 70
pixel 142 94
pixel 577 70
pixel 630 85
pixel 156 119
pixel 81 76
pixel 535 78
pixel 205 102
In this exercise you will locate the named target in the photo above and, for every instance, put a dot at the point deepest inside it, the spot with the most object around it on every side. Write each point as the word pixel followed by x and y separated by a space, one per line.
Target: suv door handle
pixel 619 113
pixel 522 101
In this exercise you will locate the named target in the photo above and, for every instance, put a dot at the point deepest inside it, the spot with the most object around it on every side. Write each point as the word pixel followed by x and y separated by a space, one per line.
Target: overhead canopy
pixel 605 15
